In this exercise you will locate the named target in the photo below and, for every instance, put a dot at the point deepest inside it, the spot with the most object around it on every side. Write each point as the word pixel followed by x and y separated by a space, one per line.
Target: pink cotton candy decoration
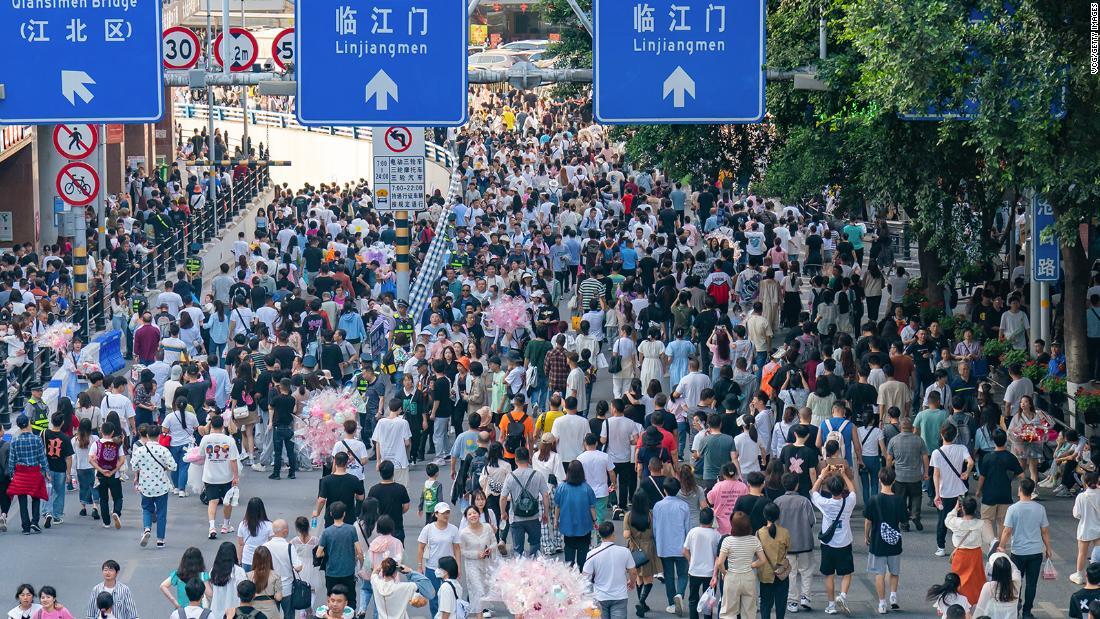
pixel 543 588
pixel 57 336
pixel 325 413
pixel 508 313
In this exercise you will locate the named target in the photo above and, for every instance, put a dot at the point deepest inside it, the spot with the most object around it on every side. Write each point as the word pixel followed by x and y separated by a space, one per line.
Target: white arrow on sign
pixel 74 84
pixel 678 82
pixel 381 87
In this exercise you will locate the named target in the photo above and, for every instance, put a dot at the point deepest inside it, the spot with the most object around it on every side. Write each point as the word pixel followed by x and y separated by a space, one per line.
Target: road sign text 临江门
pixel 391 62
pixel 686 61
pixel 81 61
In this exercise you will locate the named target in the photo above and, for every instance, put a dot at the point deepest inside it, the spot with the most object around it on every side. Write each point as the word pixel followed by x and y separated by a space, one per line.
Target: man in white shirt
pixel 115 400
pixel 570 429
pixel 356 449
pixel 392 438
pixel 836 554
pixel 220 472
pixel 171 299
pixel 597 467
pixel 691 385
pixel 284 561
pixel 611 567
pixel 619 434
pixel 760 335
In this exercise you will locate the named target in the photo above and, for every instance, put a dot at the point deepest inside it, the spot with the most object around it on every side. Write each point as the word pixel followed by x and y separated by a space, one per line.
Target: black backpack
pixel 513 440
pixel 478 462
pixel 525 505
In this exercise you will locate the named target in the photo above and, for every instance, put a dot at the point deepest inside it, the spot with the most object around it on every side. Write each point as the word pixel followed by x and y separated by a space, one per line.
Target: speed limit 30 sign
pixel 180 49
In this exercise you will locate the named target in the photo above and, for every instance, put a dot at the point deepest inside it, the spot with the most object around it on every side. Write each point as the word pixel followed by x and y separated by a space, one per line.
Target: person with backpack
pixel 517 428
pixel 883 514
pixel 108 459
pixel 522 501
pixel 195 589
pixel 246 591
pixel 838 428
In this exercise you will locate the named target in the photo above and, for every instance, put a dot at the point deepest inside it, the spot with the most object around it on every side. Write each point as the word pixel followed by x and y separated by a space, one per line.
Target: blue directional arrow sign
pixel 678 61
pixel 81 61
pixel 381 62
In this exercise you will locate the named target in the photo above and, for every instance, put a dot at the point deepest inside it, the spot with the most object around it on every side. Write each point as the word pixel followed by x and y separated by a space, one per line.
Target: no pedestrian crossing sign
pixel 398 168
pixel 75 140
pixel 678 61
pixel 383 62
pixel 81 61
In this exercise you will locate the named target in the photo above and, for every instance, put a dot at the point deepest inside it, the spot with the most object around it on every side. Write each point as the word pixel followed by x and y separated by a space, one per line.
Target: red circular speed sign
pixel 398 139
pixel 75 140
pixel 180 48
pixel 243 48
pixel 77 183
pixel 283 48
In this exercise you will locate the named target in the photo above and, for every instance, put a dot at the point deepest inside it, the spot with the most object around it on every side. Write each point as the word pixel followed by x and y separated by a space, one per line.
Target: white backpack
pixel 836 434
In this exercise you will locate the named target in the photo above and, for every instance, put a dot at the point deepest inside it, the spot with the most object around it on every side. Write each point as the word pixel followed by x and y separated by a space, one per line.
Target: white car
pixel 494 59
pixel 526 45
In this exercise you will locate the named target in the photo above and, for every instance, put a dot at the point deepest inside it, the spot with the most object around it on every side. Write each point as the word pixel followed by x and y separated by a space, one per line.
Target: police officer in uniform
pixel 193 265
pixel 37 411
pixel 403 323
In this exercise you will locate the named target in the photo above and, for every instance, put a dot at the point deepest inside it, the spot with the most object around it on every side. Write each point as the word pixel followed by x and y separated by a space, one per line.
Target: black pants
pixel 627 479
pixel 347 581
pixel 873 304
pixel 774 594
pixel 417 440
pixel 576 549
pixel 1094 356
pixel 941 526
pixel 1029 566
pixel 283 436
pixel 109 486
pixel 911 490
pixel 696 586
pixel 36 511
pixel 5 500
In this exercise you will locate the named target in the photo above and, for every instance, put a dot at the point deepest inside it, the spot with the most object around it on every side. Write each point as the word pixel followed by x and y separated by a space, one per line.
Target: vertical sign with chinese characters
pixel 398 168
pixel 81 61
pixel 678 61
pixel 1046 261
pixel 382 62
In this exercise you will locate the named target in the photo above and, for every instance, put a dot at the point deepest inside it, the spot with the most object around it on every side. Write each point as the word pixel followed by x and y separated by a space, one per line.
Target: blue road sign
pixel 1046 261
pixel 678 61
pixel 86 61
pixel 382 62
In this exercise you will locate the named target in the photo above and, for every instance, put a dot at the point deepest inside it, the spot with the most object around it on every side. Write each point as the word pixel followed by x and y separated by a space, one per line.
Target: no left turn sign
pixel 77 183
pixel 398 139
pixel 75 140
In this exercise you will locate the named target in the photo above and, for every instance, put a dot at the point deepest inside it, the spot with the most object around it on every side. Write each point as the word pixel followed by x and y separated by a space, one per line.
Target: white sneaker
pixel 842 604
pixel 671 610
pixel 940 552
pixel 145 538
pixel 184 494
pixel 792 607
pixel 678 602
pixel 1076 578
pixel 894 600
pixel 882 607
pixel 804 602
pixel 830 609
pixel 259 468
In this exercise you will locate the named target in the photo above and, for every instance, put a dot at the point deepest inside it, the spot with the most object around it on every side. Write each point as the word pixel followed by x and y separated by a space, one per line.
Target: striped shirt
pixel 740 552
pixel 589 289
pixel 124 602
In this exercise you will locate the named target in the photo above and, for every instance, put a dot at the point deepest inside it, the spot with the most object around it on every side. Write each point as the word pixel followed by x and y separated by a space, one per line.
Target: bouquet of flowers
pixel 508 313
pixel 1032 432
pixel 379 252
pixel 57 336
pixel 86 367
pixel 325 414
pixel 543 588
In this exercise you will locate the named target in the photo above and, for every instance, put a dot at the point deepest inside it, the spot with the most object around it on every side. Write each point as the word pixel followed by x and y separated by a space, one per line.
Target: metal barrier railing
pixel 280 120
pixel 169 253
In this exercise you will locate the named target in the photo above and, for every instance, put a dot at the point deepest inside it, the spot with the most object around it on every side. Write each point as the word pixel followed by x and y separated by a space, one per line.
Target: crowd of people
pixel 704 379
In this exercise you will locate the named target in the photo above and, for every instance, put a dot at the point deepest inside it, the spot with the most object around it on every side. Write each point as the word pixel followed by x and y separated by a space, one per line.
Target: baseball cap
pixel 442 508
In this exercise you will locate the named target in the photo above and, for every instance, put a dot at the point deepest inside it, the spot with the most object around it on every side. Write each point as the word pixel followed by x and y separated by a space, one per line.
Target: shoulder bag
pixel 301 594
pixel 826 535
pixel 954 470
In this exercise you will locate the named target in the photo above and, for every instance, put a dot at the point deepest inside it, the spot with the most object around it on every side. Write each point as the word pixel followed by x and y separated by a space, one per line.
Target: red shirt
pixel 667 440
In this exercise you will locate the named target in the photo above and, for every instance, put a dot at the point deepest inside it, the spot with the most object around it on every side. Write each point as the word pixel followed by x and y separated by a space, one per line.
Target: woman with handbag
pixel 738 556
pixel 773 575
pixel 179 426
pixel 638 531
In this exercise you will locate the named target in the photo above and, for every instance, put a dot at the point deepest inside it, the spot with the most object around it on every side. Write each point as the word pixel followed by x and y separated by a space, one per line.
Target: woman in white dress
pixel 479 550
pixel 652 353
pixel 304 543
pixel 224 576
pixel 1001 594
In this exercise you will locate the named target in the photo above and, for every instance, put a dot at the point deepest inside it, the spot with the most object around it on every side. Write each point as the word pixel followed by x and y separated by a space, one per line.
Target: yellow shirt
pixel 546 421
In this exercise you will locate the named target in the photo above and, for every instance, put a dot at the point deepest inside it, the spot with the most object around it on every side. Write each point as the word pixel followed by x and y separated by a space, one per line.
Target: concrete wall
pixel 316 157
pixel 18 177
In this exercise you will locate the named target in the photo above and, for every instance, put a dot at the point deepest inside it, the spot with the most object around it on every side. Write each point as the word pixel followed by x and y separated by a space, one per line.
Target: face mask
pixel 440 574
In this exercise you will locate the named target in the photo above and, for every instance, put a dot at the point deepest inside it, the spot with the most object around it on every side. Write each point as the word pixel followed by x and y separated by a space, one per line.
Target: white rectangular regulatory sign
pixel 398 168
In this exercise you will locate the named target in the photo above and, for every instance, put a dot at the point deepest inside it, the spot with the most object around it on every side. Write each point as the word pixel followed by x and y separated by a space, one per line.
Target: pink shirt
pixel 56 613
pixel 722 498
pixel 385 547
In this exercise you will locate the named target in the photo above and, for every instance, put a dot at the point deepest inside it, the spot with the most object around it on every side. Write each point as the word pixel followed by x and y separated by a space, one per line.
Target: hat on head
pixel 547 438
pixel 34 386
pixel 442 508
pixel 402 303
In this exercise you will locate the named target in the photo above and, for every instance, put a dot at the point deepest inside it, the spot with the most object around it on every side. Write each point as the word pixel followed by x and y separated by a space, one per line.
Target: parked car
pixel 494 59
pixel 526 45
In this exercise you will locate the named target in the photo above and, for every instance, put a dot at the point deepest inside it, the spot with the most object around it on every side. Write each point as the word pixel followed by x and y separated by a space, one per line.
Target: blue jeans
pixel 120 323
pixel 179 476
pixel 760 359
pixel 676 576
pixel 682 429
pixel 868 477
pixel 57 493
pixel 529 529
pixel 541 393
pixel 440 428
pixel 613 609
pixel 89 494
pixel 155 505
pixel 433 602
pixel 366 594
pixel 218 350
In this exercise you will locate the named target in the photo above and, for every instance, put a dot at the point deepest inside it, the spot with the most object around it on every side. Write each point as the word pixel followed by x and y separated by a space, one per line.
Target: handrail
pixel 280 120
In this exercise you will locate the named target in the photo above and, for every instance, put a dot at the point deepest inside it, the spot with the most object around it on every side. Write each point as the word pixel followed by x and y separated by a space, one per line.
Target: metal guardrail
pixel 170 252
pixel 281 120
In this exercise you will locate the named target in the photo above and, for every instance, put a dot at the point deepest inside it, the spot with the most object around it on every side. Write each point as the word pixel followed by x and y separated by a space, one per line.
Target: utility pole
pixel 244 103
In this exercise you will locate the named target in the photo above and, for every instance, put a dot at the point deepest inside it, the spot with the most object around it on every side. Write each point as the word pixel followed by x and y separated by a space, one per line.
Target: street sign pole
pixel 403 246
pixel 101 212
